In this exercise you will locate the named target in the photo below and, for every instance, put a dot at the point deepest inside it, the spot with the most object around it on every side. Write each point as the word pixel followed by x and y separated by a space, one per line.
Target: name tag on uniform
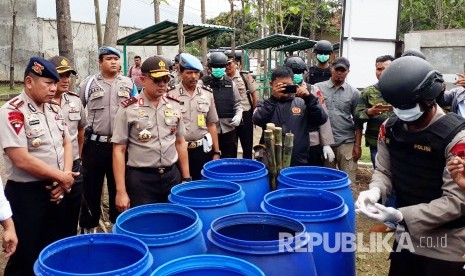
pixel 201 120
pixel 123 94
pixel 97 94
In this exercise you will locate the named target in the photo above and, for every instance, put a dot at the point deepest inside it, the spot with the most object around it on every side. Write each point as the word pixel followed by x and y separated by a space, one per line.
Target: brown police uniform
pixel 197 110
pixel 36 218
pixel 150 135
pixel 102 100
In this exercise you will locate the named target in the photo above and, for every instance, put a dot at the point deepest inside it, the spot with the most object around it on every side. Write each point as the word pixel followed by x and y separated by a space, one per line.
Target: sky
pixel 135 13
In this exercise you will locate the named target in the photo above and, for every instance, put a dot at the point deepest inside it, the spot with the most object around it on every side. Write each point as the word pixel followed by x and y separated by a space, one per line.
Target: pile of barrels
pixel 230 223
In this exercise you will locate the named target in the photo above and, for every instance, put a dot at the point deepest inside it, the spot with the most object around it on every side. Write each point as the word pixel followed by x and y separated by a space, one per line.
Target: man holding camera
pixel 294 109
pixel 341 100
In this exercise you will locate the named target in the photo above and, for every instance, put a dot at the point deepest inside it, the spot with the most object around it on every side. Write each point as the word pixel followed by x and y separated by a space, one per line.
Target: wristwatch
pixel 217 152
pixel 187 179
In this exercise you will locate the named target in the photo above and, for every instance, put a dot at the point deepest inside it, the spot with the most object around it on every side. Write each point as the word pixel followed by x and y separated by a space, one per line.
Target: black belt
pixel 160 170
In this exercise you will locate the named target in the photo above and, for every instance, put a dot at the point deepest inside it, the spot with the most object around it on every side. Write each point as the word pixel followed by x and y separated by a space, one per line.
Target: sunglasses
pixel 340 69
pixel 164 79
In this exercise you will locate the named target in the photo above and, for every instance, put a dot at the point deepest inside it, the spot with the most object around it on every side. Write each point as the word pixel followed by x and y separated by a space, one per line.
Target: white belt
pixel 100 138
pixel 194 144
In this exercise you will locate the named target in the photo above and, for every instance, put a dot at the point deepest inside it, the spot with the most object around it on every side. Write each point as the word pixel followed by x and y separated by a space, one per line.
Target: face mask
pixel 218 72
pixel 409 115
pixel 298 78
pixel 322 58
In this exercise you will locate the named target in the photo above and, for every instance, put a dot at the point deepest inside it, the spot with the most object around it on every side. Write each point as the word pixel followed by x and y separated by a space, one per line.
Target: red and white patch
pixel 16 119
pixel 296 110
pixel 320 97
pixel 37 67
pixel 458 150
pixel 382 133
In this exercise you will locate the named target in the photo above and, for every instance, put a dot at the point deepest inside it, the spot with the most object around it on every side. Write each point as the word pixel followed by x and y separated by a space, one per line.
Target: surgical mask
pixel 218 72
pixel 298 78
pixel 322 58
pixel 409 115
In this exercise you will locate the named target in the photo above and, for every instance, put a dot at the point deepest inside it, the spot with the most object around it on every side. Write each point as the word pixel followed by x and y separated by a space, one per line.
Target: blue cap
pixel 42 68
pixel 190 62
pixel 107 50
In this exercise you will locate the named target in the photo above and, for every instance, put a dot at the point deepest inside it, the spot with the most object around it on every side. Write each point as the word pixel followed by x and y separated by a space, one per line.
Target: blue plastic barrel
pixel 170 231
pixel 250 174
pixel 274 243
pixel 324 214
pixel 95 254
pixel 208 265
pixel 320 178
pixel 211 199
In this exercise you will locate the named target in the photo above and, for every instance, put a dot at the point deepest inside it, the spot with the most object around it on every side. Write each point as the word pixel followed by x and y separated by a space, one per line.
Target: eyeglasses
pixel 164 79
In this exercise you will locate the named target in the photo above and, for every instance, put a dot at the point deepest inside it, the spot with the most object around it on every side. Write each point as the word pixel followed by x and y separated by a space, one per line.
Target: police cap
pixel 62 64
pixel 107 50
pixel 42 68
pixel 189 62
pixel 155 66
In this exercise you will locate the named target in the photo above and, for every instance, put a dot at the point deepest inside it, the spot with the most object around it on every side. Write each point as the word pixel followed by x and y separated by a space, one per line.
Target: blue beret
pixel 190 62
pixel 42 68
pixel 107 50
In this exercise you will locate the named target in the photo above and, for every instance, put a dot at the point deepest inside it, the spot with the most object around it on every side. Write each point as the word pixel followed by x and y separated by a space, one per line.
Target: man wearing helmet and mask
pixel 228 104
pixel 321 137
pixel 413 147
pixel 321 71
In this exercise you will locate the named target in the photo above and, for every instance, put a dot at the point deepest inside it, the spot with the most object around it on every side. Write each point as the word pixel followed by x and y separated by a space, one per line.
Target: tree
pixel 233 25
pixel 14 12
pixel 181 26
pixel 64 30
pixel 156 9
pixel 204 39
pixel 112 22
pixel 98 23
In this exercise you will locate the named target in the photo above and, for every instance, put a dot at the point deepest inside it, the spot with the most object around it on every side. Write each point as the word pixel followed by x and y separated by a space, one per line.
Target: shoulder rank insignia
pixel 73 93
pixel 54 102
pixel 207 88
pixel 170 88
pixel 129 101
pixel 16 102
pixel 172 97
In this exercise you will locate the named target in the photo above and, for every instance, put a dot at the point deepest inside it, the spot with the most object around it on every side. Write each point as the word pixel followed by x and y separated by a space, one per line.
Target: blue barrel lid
pixel 325 178
pixel 234 169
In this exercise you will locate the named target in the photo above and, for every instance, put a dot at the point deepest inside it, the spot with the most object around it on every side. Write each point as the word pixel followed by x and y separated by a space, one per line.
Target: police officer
pixel 101 94
pixel 295 112
pixel 151 130
pixel 199 114
pixel 321 137
pixel 38 160
pixel 321 71
pixel 412 151
pixel 227 102
pixel 75 118
pixel 248 91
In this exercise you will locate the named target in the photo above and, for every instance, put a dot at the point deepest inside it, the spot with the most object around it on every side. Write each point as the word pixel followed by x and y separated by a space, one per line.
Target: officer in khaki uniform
pixel 38 161
pixel 199 114
pixel 101 94
pixel 150 129
pixel 75 117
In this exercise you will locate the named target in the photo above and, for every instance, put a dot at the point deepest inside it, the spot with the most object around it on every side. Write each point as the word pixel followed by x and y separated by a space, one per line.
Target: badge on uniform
pixel 145 135
pixel 141 114
pixel 33 119
pixel 36 142
pixel 296 110
pixel 169 112
pixel 200 120
pixel 168 106
pixel 16 119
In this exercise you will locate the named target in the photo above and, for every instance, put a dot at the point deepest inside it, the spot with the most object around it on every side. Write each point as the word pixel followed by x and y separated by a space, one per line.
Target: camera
pixel 290 88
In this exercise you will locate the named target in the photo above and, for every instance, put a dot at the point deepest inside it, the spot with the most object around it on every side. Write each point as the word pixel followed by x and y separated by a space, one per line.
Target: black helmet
pixel 237 55
pixel 323 47
pixel 176 58
pixel 297 64
pixel 217 60
pixel 410 80
pixel 413 52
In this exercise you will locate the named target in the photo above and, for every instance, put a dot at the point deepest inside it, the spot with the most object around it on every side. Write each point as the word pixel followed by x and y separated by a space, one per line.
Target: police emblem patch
pixel 16 119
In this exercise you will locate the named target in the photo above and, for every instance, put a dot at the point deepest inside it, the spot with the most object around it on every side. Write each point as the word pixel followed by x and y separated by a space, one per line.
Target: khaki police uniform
pixel 102 100
pixel 197 111
pixel 36 218
pixel 150 135
pixel 245 129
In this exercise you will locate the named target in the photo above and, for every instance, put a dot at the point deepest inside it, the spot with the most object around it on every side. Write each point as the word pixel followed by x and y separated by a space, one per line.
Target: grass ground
pixel 5 88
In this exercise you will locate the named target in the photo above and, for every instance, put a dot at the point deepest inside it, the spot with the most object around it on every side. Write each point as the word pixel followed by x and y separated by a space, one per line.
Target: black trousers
pixel 96 164
pixel 147 185
pixel 228 144
pixel 198 158
pixel 72 203
pixel 405 263
pixel 245 134
pixel 315 156
pixel 37 221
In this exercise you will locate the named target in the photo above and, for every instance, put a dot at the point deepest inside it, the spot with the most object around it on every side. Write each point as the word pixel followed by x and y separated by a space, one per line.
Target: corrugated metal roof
pixel 301 45
pixel 166 34
pixel 272 41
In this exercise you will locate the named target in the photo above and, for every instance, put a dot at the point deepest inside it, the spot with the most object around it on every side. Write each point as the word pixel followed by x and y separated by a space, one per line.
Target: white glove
pixel 236 120
pixel 328 153
pixel 369 197
pixel 381 213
